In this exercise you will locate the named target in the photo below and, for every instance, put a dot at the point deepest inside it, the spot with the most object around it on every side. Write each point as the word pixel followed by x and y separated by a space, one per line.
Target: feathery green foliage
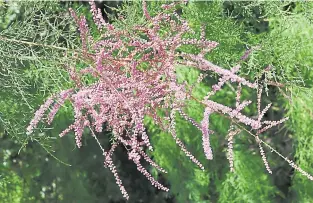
pixel 32 59
pixel 301 110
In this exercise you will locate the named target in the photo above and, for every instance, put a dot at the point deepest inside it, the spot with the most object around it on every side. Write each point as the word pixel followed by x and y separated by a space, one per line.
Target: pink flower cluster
pixel 134 74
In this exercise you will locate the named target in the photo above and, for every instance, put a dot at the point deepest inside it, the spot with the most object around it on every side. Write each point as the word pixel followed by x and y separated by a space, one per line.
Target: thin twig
pixel 33 43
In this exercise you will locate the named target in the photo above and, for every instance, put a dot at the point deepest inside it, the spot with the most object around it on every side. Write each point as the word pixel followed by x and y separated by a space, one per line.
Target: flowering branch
pixel 134 74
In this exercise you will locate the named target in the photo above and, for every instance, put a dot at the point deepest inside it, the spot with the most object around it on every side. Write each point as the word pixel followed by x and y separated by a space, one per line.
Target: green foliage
pixel 250 13
pixel 32 60
pixel 249 183
pixel 294 59
pixel 286 47
pixel 301 112
pixel 218 28
pixel 11 186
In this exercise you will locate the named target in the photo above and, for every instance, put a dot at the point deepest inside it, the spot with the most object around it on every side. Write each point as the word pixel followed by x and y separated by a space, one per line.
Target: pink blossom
pixel 38 115
pixel 137 77
pixel 205 134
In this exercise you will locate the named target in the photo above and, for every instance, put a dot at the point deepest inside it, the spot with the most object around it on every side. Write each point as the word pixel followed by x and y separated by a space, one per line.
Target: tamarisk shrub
pixel 134 76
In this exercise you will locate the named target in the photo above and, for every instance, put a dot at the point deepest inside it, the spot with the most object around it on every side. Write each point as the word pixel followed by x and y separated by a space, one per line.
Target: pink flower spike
pixel 38 115
pixel 205 134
